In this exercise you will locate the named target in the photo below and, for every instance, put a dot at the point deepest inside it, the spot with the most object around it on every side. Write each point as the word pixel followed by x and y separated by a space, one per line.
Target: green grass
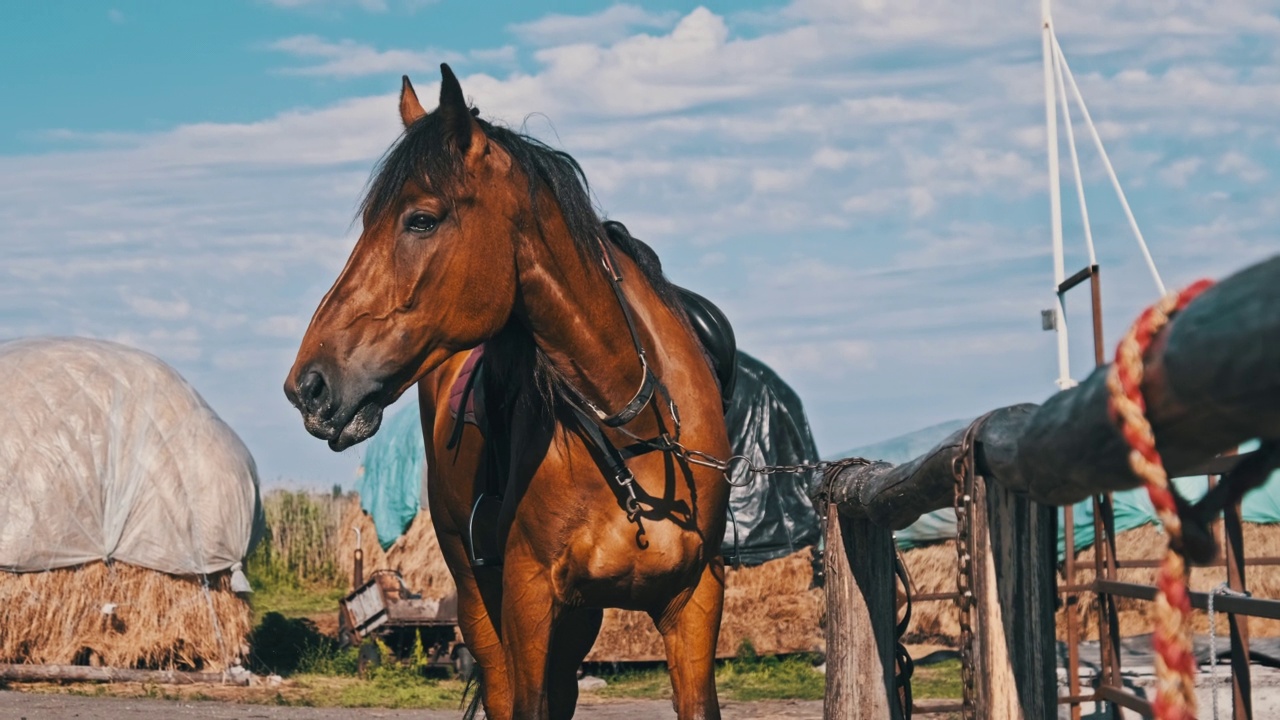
pixel 293 600
pixel 292 569
pixel 745 678
pixel 940 681
pixel 770 678
pixel 648 683
pixel 388 687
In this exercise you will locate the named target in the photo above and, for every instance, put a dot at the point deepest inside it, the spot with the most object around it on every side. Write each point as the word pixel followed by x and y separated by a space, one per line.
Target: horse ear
pixel 453 108
pixel 410 109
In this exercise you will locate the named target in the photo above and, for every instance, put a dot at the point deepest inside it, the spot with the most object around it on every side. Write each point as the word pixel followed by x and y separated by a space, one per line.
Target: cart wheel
pixel 368 658
pixel 464 663
pixel 345 639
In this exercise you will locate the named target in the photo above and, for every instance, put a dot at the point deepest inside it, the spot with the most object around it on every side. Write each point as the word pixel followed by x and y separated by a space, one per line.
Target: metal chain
pixel 697 457
pixel 962 470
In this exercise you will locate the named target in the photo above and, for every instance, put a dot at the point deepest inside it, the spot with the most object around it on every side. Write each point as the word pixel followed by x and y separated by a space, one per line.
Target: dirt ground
pixel 31 706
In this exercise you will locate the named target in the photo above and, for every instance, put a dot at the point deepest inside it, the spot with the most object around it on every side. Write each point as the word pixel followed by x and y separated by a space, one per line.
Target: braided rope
pixel 1175 663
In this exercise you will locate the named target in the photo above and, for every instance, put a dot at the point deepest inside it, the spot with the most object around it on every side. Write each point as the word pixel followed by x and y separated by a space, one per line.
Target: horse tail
pixel 474 686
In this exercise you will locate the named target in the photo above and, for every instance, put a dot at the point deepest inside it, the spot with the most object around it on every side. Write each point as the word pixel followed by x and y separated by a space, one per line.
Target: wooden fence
pixel 1212 382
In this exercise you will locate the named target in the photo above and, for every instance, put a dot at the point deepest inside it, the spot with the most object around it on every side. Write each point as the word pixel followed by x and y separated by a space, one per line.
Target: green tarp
pixel 390 483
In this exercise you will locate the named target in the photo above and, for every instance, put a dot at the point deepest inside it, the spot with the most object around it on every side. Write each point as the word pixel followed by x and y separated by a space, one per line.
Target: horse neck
pixel 578 323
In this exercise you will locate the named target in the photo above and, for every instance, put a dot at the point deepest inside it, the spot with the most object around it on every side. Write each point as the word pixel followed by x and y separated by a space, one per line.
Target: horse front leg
pixel 574 634
pixel 690 631
pixel 529 612
pixel 478 601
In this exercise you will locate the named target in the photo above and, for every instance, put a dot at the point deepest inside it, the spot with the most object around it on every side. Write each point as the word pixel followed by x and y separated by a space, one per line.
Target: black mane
pixel 425 155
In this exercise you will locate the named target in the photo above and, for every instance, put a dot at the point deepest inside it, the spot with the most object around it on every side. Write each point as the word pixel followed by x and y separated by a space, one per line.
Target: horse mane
pixel 426 155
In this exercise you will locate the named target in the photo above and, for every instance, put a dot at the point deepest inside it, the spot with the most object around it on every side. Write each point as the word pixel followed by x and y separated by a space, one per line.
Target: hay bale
pixel 771 605
pixel 155 619
pixel 933 567
pixel 122 493
pixel 1148 543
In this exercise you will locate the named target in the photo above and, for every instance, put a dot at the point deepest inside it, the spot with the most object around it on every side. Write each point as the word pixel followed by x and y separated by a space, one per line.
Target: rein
pixel 649 382
pixel 612 460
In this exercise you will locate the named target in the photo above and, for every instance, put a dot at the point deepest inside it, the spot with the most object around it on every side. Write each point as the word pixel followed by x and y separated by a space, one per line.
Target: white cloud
pixel 1235 163
pixel 1178 172
pixel 175 308
pixel 609 25
pixel 289 327
pixel 860 185
pixel 347 59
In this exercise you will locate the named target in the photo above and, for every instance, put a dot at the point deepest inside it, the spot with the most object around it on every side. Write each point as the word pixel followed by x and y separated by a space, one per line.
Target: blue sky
pixel 860 184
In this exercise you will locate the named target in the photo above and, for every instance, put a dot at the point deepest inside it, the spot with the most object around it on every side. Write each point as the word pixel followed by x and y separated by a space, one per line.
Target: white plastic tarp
pixel 107 453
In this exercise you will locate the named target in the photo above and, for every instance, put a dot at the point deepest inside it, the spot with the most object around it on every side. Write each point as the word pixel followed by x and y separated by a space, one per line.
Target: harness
pixel 589 421
pixel 589 417
pixel 584 417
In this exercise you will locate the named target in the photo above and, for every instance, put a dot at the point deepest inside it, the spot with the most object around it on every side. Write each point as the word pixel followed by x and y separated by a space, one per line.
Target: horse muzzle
pixel 325 411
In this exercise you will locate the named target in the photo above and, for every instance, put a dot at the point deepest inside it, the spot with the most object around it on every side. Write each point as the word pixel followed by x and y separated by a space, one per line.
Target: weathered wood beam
pixel 1212 381
pixel 1014 587
pixel 85 673
pixel 861 615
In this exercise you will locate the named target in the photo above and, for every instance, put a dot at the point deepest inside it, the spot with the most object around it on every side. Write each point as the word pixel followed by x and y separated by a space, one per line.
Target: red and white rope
pixel 1175 664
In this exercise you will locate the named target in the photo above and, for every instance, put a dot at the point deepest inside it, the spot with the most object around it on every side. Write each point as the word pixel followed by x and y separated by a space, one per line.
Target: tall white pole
pixel 1055 195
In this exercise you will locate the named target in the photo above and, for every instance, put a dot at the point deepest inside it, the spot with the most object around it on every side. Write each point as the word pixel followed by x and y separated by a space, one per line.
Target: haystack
pixel 772 605
pixel 933 570
pixel 1148 543
pixel 126 508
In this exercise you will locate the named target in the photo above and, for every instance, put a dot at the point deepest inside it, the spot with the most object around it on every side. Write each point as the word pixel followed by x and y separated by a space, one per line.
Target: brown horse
pixel 476 234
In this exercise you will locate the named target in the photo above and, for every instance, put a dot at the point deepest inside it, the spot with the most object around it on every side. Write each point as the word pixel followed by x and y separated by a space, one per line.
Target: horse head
pixel 433 272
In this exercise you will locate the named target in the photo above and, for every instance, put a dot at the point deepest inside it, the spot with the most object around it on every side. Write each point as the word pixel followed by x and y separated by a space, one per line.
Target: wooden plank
pixel 1015 545
pixel 861 614
pixel 1241 681
pixel 1212 381
pixel 1251 606
pixel 1124 698
pixel 84 673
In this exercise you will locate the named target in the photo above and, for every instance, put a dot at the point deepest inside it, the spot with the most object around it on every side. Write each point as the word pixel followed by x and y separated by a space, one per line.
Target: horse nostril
pixel 313 391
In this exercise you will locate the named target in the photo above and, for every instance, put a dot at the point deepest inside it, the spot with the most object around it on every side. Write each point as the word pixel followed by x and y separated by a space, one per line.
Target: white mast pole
pixel 1055 196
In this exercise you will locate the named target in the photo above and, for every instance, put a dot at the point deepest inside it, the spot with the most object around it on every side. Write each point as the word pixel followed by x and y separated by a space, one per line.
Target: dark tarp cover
pixel 766 423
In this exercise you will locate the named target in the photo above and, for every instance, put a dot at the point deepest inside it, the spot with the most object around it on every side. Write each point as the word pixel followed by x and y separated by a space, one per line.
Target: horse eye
pixel 421 223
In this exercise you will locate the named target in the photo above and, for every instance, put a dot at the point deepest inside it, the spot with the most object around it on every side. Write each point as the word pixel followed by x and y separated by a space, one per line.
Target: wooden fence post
pixel 861 615
pixel 1015 542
